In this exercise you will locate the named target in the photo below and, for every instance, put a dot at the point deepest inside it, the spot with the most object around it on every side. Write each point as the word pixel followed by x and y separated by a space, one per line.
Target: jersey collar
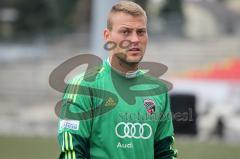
pixel 130 74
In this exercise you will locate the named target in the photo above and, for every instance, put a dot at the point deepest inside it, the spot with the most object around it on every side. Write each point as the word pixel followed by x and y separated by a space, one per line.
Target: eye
pixel 141 32
pixel 125 32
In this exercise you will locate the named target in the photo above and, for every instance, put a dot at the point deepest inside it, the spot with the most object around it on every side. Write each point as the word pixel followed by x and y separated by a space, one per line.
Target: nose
pixel 134 38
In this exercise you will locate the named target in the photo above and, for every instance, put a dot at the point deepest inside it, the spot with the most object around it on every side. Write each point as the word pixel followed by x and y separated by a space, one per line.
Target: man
pixel 111 117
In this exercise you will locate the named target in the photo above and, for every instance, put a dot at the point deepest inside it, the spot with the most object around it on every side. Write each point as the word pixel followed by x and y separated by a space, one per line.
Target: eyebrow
pixel 132 28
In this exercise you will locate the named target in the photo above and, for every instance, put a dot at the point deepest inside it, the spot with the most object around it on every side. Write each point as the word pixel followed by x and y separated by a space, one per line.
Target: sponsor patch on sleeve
pixel 69 124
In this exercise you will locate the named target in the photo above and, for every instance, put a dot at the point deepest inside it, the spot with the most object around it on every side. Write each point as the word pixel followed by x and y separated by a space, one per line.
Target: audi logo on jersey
pixel 133 130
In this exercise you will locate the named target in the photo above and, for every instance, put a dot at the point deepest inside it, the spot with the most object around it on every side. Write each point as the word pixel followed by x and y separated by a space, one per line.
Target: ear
pixel 106 34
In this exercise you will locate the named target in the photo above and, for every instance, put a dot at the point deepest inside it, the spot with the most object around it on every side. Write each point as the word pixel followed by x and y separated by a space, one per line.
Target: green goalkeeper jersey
pixel 106 115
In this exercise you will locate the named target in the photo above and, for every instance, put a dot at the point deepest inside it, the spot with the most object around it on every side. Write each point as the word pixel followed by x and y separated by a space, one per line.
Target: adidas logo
pixel 110 102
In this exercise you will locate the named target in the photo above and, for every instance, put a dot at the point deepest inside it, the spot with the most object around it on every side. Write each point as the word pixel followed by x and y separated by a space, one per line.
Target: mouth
pixel 134 50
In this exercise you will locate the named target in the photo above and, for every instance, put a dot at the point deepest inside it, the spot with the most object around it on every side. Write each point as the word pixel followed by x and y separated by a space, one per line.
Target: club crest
pixel 149 104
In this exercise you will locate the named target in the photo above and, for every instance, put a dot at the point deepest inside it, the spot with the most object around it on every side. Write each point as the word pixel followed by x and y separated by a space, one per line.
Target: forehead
pixel 121 20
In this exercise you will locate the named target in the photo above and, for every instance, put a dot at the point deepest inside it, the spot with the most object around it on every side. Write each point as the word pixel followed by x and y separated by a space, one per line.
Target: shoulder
pixel 88 78
pixel 164 85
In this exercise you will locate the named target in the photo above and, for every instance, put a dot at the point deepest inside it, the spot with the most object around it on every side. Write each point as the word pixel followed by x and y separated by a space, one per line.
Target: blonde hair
pixel 127 7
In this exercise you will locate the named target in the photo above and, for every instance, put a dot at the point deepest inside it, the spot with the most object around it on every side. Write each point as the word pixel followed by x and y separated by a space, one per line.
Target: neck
pixel 122 66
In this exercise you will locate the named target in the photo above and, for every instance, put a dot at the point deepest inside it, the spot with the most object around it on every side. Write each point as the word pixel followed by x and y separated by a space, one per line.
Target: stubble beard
pixel 122 58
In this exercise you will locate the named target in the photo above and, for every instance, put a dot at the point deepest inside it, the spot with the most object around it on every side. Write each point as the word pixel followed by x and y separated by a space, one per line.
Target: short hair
pixel 127 7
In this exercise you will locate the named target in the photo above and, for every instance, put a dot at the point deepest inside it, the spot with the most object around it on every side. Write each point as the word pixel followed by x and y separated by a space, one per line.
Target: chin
pixel 129 59
pixel 134 60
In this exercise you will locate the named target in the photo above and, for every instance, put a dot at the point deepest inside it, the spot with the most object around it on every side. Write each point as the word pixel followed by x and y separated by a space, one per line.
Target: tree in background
pixel 33 16
pixel 40 17
pixel 172 14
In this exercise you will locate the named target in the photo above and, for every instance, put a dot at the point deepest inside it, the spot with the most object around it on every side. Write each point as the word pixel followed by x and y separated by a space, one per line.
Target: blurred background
pixel 199 41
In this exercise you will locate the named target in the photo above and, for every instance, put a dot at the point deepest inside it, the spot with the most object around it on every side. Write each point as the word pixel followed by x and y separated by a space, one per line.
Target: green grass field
pixel 47 148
